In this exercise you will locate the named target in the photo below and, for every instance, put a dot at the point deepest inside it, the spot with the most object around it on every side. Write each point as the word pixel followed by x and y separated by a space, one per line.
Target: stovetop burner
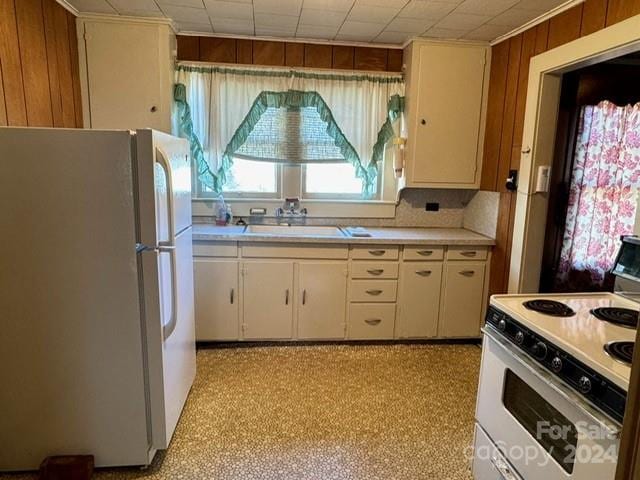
pixel 625 317
pixel 621 351
pixel 549 307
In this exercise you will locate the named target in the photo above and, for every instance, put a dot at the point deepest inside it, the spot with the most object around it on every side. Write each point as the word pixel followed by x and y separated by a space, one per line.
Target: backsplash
pixel 411 212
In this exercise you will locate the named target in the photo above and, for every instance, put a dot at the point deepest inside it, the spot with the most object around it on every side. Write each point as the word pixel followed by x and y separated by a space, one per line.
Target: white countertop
pixel 398 236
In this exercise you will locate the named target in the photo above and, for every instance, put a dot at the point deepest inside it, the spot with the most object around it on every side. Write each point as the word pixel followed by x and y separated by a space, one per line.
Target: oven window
pixel 552 430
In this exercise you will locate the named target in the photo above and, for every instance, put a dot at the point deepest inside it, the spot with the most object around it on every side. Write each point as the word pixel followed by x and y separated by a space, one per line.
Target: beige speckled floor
pixel 324 412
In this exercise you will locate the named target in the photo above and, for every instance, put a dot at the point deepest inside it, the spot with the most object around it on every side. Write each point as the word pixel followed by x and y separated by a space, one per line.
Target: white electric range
pixel 554 380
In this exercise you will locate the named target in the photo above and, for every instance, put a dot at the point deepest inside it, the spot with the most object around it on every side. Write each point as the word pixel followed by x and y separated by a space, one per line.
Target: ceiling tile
pixel 484 7
pixel 275 32
pixel 181 3
pixel 94 6
pixel 383 3
pixel 347 37
pixel 194 27
pixel 392 37
pixel 487 32
pixel 367 13
pixel 232 26
pixel 408 25
pixel 539 5
pixel 463 21
pixel 311 16
pixel 449 33
pixel 513 17
pixel 426 10
pixel 361 28
pixel 277 21
pixel 333 5
pixel 225 9
pixel 134 5
pixel 186 14
pixel 316 31
pixel 278 7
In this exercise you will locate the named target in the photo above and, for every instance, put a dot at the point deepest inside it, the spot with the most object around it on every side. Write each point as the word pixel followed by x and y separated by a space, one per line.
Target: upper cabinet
pixel 446 103
pixel 127 73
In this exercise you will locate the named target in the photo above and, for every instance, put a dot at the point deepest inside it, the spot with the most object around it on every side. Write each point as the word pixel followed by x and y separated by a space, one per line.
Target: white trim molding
pixel 67 6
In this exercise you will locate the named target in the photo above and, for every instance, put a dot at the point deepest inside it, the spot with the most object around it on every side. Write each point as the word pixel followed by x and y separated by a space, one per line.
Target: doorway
pixel 595 151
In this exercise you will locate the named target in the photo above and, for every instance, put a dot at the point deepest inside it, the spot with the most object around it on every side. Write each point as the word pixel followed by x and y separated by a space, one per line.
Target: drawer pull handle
pixel 425 253
pixel 286 297
pixel 377 253
pixel 374 292
pixel 231 296
pixel 469 253
pixel 376 271
pixel 373 321
pixel 304 296
pixel 468 273
pixel 423 273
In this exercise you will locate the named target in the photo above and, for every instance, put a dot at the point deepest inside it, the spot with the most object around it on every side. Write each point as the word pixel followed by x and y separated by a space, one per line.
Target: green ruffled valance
pixel 290 99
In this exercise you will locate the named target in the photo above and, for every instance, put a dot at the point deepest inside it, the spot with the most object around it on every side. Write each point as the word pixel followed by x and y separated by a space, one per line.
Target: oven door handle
pixel 503 468
pixel 611 426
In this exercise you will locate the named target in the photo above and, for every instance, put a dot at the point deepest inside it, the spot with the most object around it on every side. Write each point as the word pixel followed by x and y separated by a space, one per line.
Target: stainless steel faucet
pixel 291 208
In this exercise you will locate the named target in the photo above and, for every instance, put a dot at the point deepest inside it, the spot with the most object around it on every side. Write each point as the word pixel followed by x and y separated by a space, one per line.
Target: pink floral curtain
pixel 603 194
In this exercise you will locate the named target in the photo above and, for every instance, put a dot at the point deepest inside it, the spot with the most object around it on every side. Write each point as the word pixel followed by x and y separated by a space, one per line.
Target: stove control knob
pixel 502 325
pixel 556 364
pixel 519 338
pixel 540 350
pixel 584 384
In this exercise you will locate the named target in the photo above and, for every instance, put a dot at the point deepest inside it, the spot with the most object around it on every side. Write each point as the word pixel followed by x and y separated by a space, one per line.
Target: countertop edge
pixel 428 238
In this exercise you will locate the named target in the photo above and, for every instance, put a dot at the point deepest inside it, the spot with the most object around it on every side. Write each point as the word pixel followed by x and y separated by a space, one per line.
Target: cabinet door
pixel 420 287
pixel 462 302
pixel 123 75
pixel 322 295
pixel 447 116
pixel 267 299
pixel 216 288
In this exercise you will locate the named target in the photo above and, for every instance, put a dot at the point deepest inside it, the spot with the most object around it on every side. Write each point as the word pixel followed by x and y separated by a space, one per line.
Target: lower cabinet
pixel 216 299
pixel 267 300
pixel 321 300
pixel 419 299
pixel 462 304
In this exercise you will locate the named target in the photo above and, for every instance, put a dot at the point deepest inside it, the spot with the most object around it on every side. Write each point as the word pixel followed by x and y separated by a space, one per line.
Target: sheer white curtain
pixel 220 97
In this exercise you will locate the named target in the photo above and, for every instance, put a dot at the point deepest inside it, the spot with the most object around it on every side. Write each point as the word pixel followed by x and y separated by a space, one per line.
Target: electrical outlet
pixel 432 207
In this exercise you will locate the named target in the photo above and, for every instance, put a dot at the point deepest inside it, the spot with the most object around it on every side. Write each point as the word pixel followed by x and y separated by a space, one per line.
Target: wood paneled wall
pixel 288 54
pixel 507 97
pixel 39 75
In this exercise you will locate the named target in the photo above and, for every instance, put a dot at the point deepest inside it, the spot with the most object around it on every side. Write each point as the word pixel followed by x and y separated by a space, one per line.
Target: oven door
pixel 543 428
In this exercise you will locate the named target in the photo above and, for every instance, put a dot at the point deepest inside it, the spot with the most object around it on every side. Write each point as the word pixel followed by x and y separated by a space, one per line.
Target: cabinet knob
pixel 153 109
pixel 423 122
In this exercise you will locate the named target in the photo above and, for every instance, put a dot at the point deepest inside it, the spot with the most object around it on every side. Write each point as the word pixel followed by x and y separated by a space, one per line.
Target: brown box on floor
pixel 68 467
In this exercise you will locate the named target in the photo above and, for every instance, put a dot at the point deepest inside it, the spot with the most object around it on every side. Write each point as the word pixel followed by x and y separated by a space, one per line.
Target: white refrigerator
pixel 97 348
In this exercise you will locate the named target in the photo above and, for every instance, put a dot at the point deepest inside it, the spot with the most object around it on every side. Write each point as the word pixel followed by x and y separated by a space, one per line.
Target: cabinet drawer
pixel 423 253
pixel 215 249
pixel 373 290
pixel 466 253
pixel 368 321
pixel 374 270
pixel 375 252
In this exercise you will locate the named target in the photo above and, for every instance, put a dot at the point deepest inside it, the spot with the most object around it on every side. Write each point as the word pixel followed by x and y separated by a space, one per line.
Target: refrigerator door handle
pixel 161 159
pixel 170 326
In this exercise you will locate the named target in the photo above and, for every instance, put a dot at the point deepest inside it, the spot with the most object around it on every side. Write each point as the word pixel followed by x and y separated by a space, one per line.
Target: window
pixel 330 180
pixel 250 178
pixel 280 151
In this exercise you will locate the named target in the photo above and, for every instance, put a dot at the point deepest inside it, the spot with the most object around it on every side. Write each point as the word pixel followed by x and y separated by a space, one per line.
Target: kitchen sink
pixel 295 230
